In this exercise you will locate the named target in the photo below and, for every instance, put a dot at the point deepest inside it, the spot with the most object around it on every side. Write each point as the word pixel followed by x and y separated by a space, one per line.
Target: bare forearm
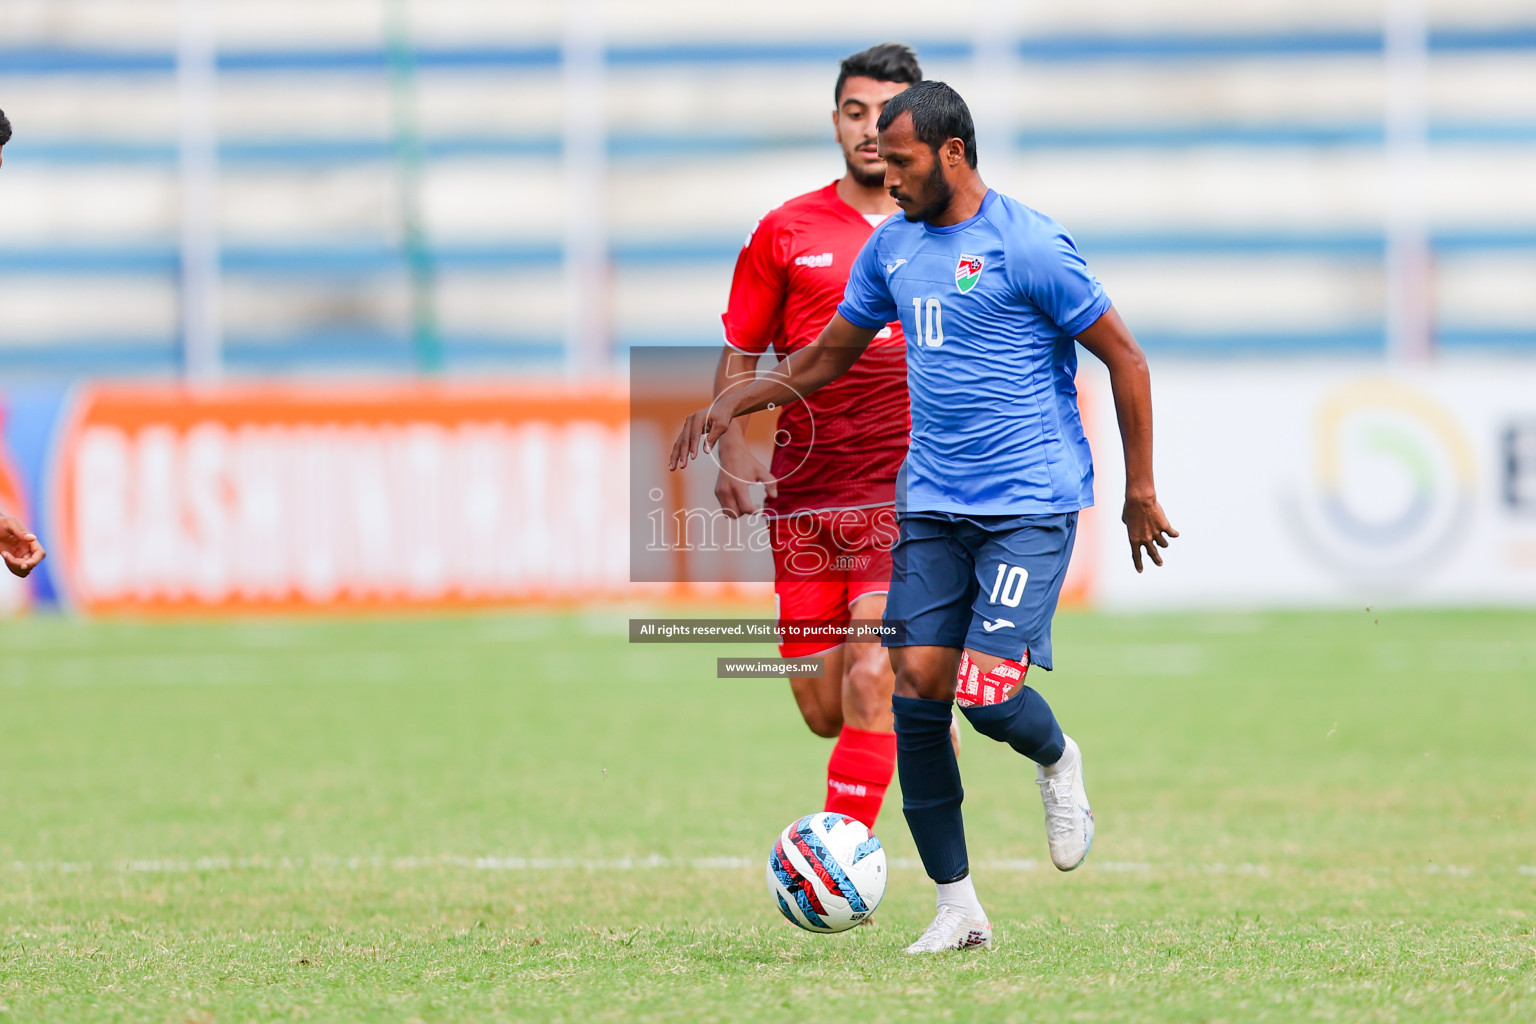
pixel 740 469
pixel 805 372
pixel 1131 385
pixel 808 371
pixel 735 368
pixel 1146 526
pixel 813 367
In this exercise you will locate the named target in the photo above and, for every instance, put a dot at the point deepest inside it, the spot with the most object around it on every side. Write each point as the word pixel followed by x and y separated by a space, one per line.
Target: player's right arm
pixel 803 373
pixel 866 308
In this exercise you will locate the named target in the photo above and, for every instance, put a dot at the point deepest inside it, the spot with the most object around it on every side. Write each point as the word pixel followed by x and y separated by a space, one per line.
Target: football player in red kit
pixel 831 486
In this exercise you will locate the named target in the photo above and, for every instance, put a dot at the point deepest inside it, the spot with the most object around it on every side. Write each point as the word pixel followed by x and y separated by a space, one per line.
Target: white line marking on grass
pixel 913 864
pixel 189 865
pixel 63 867
pixel 1447 869
pixel 1236 869
pixel 725 863
pixel 184 865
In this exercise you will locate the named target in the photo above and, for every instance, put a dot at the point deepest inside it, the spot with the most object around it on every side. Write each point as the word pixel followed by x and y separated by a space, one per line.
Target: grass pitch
pixel 1301 817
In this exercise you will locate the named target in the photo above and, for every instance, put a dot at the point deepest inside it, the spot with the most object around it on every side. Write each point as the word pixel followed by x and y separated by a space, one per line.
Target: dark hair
pixel 5 129
pixel 938 115
pixel 888 62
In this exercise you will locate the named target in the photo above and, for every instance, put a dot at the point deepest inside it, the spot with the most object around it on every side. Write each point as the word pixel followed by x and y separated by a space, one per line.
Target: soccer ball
pixel 826 872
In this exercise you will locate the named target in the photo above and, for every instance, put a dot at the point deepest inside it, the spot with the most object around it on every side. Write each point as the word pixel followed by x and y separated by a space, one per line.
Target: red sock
pixel 859 772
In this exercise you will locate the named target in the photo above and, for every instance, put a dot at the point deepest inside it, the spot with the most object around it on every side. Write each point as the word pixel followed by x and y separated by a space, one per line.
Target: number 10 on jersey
pixel 930 331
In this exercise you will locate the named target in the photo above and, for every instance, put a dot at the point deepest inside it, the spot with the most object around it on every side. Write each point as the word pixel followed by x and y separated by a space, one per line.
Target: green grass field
pixel 1301 817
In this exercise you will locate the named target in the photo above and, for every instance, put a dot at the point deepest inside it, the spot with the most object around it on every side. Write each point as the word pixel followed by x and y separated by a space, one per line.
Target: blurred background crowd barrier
pixel 1319 218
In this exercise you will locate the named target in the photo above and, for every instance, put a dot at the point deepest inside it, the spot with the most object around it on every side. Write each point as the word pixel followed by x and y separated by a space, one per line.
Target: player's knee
pixel 821 709
pixel 996 721
pixel 999 706
pixel 869 674
pixel 867 693
pixel 822 723
pixel 912 681
pixel 976 686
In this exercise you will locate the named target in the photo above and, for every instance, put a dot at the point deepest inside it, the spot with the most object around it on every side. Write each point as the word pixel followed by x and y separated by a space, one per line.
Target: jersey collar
pixel 842 206
pixel 949 229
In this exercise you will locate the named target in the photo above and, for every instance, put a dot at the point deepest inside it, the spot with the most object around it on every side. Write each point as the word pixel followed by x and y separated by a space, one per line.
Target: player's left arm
pixel 1110 340
pixel 18 546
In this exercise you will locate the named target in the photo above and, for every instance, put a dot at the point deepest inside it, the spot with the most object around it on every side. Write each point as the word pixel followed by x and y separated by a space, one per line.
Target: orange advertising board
pixel 286 499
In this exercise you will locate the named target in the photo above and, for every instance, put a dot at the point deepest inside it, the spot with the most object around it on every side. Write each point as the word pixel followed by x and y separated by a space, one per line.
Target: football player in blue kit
pixel 993 298
pixel 19 548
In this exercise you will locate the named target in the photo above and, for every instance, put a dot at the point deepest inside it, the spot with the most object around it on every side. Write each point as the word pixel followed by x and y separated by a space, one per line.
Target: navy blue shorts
pixel 989 583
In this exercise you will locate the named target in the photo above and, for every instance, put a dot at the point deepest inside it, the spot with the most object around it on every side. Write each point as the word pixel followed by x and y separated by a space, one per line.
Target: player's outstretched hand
pixel 739 470
pixel 708 423
pixel 19 547
pixel 1148 528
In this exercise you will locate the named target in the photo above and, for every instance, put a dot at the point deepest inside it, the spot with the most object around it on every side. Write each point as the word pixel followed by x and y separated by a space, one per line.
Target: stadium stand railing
pixel 326 295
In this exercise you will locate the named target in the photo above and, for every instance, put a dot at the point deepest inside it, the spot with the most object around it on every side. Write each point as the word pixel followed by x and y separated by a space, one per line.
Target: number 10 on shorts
pixel 1008 588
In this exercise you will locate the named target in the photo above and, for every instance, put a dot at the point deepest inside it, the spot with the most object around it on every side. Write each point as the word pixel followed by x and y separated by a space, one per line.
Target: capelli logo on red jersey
pixel 821 259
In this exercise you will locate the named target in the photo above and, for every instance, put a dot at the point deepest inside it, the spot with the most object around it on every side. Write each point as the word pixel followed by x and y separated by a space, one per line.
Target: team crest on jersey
pixel 967 273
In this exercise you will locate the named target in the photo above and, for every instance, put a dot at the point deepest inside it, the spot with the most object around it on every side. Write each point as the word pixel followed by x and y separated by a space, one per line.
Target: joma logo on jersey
pixel 967 273
pixel 821 259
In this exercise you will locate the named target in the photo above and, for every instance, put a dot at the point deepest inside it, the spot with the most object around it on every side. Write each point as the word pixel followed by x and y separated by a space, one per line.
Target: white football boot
pixel 954 928
pixel 1068 818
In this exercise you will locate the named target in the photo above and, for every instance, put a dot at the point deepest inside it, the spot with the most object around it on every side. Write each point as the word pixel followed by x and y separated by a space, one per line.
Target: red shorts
pixel 823 562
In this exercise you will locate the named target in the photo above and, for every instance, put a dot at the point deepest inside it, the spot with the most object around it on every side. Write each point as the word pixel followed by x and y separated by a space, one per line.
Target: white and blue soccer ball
pixel 827 872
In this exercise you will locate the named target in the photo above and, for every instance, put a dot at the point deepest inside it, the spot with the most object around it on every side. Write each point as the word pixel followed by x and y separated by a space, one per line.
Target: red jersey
pixel 843 446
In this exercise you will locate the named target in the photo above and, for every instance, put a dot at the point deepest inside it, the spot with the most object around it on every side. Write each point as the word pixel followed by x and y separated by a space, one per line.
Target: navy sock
pixel 1024 722
pixel 930 785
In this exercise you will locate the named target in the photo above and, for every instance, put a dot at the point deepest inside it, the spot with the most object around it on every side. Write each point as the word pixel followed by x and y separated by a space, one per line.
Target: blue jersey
pixel 991 308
